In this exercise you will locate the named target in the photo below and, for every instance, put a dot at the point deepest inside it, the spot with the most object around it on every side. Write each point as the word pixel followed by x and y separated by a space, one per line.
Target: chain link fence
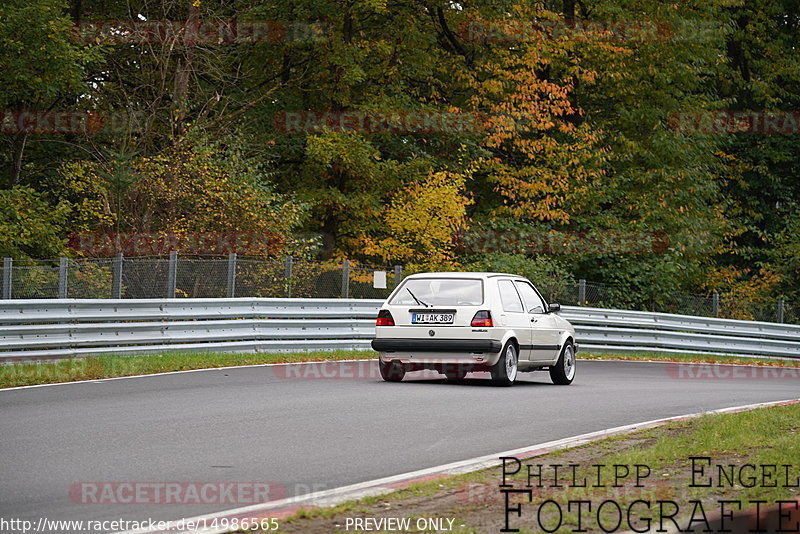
pixel 193 277
pixel 582 293
pixel 232 276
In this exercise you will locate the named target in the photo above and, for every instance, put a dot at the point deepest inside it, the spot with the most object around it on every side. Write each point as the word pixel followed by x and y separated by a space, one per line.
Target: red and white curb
pixel 286 507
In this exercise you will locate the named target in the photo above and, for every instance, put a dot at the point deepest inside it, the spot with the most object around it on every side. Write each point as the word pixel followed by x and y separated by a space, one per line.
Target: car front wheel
pixel 504 372
pixel 391 372
pixel 563 372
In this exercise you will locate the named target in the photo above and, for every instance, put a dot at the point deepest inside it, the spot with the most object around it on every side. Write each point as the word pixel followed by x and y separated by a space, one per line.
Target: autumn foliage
pixel 573 134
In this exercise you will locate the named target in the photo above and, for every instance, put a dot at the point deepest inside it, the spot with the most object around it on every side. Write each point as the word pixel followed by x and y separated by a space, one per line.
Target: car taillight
pixel 384 318
pixel 483 318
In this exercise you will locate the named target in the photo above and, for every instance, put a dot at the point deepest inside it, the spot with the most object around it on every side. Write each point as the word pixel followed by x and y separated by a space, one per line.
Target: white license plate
pixel 432 318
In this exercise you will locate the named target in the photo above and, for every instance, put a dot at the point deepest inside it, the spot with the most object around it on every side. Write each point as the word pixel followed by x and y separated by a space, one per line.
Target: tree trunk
pixel 569 11
pixel 183 72
pixel 17 150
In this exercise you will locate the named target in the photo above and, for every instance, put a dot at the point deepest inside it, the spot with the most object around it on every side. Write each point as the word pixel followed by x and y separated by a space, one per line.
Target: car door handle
pixel 533 319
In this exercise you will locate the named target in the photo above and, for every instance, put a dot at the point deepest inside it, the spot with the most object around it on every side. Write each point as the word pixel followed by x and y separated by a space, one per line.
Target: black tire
pixel 391 372
pixel 505 371
pixel 563 372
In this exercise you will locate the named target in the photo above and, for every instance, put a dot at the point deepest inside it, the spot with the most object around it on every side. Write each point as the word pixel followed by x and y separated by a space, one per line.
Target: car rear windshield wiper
pixel 416 299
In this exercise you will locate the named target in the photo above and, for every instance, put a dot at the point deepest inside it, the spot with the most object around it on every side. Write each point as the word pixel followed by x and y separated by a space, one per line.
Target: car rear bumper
pixel 437 345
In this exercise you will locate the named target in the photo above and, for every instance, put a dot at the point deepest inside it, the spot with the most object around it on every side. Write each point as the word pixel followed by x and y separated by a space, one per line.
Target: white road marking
pixel 151 375
pixel 382 486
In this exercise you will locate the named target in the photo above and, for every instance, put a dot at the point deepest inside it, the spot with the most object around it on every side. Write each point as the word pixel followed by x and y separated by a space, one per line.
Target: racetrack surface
pixel 287 427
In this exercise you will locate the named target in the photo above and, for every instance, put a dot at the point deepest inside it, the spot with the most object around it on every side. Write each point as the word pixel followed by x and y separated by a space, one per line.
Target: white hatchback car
pixel 457 323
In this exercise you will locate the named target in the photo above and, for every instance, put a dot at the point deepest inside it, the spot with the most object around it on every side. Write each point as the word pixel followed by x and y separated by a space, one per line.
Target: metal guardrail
pixel 601 330
pixel 47 329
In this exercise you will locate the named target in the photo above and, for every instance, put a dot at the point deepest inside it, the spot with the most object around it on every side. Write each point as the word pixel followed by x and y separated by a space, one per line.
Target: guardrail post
pixel 231 275
pixel 398 275
pixel 116 280
pixel 7 266
pixel 63 268
pixel 581 292
pixel 715 304
pixel 172 274
pixel 287 274
pixel 345 279
pixel 781 309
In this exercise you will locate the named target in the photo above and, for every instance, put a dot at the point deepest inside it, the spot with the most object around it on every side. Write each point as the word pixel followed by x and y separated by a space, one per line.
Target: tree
pixel 421 224
pixel 761 74
pixel 30 224
pixel 42 69
pixel 543 159
pixel 191 187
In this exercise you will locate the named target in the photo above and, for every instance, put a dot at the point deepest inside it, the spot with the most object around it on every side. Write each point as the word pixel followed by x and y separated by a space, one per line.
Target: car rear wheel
pixel 563 372
pixel 504 372
pixel 391 372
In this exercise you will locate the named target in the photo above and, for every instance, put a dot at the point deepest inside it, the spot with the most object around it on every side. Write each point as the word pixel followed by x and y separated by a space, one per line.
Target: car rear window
pixel 439 292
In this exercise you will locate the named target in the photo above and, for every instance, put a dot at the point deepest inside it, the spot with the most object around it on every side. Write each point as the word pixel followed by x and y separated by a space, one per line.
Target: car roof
pixel 462 274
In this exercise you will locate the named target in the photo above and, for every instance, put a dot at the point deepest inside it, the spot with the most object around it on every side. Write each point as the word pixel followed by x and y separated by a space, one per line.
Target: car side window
pixel 509 297
pixel 533 302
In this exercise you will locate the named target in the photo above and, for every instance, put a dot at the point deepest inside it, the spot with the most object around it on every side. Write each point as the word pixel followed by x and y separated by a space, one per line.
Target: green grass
pixel 97 367
pixel 680 357
pixel 767 436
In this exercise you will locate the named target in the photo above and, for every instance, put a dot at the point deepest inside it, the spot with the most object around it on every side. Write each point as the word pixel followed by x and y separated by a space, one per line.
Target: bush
pixel 29 225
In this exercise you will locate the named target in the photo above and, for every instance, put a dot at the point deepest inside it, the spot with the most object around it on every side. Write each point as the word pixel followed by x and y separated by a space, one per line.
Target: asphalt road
pixel 307 433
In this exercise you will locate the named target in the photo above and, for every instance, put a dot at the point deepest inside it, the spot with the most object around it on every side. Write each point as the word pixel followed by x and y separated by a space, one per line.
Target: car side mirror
pixel 555 307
